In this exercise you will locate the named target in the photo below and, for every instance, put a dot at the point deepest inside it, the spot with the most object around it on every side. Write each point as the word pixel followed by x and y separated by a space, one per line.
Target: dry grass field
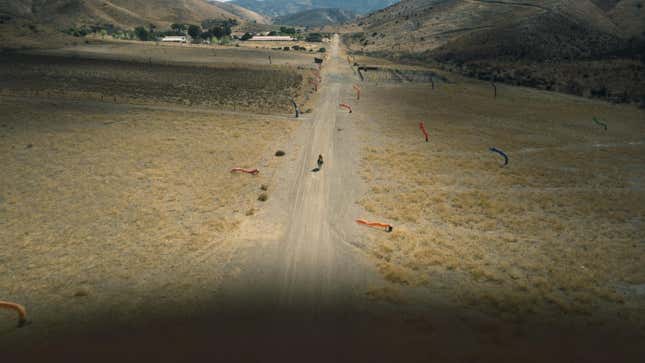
pixel 558 230
pixel 310 47
pixel 123 230
pixel 232 88
pixel 115 190
pixel 172 53
pixel 117 204
pixel 104 207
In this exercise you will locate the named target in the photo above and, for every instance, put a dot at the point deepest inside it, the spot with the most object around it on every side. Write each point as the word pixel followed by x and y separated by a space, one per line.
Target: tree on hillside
pixel 206 35
pixel 221 31
pixel 179 28
pixel 210 23
pixel 246 36
pixel 314 37
pixel 141 33
pixel 194 31
pixel 227 29
pixel 288 31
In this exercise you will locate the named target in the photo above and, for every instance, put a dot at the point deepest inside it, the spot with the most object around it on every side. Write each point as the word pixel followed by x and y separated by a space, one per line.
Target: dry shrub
pixel 396 274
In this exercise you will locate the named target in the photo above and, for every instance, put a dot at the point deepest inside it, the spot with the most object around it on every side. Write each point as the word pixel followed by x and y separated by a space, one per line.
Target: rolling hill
pixel 242 12
pixel 274 8
pixel 541 28
pixel 630 16
pixel 121 13
pixel 316 17
pixel 583 47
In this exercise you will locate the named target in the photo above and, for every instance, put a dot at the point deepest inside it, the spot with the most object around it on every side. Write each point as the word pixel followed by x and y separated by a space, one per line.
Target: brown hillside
pixel 421 25
pixel 584 47
pixel 120 13
pixel 242 12
pixel 606 5
pixel 630 16
pixel 565 32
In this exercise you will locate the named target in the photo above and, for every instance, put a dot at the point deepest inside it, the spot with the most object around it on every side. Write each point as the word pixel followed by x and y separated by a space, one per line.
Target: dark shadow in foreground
pixel 390 334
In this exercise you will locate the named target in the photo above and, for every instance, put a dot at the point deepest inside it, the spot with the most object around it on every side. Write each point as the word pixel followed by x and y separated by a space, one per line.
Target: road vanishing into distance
pixel 312 266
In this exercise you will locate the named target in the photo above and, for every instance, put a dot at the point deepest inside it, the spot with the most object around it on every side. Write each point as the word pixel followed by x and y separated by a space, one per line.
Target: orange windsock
pixel 388 227
pixel 423 129
pixel 248 171
pixel 22 312
pixel 344 105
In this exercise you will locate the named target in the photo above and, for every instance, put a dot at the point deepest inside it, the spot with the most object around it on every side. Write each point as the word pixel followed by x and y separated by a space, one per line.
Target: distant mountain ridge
pixel 316 17
pixel 274 8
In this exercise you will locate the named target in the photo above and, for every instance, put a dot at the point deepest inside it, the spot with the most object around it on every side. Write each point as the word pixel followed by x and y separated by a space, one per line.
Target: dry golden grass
pixel 311 48
pixel 195 54
pixel 559 227
pixel 113 206
pixel 23 34
pixel 250 89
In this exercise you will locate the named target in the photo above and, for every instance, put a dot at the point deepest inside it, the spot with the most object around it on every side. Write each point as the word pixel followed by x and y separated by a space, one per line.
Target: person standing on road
pixel 320 161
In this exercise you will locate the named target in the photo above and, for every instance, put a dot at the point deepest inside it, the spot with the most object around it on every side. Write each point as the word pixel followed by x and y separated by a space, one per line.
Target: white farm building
pixel 272 38
pixel 175 39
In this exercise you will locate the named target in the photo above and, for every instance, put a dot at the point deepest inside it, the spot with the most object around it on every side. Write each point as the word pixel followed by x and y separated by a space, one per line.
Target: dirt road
pixel 310 264
pixel 315 264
